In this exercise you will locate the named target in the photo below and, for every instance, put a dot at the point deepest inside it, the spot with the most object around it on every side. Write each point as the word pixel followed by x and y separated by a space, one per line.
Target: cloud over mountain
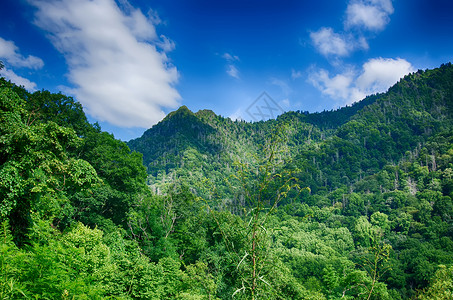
pixel 376 76
pixel 116 60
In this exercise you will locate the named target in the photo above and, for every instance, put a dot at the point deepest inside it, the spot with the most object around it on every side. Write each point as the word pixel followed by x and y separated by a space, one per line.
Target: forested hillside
pixel 330 149
pixel 348 204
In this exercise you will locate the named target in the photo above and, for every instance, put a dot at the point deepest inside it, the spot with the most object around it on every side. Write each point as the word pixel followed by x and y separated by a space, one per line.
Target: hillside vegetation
pixel 354 203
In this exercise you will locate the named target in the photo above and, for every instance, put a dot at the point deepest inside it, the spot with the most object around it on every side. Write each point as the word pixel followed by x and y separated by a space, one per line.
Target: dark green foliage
pixel 63 110
pixel 37 170
pixel 123 178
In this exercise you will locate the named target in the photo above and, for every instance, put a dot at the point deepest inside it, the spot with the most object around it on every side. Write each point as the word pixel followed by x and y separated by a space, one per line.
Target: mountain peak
pixel 182 111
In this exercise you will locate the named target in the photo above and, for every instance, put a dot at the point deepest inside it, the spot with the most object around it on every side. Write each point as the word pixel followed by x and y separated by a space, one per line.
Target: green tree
pixel 37 169
pixel 123 175
pixel 380 221
pixel 374 263
pixel 199 281
pixel 263 187
pixel 441 285
pixel 45 106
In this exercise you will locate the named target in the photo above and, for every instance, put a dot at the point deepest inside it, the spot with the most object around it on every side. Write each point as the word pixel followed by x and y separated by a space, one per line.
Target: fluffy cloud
pixel 116 61
pixel 336 87
pixel 330 43
pixel 371 14
pixel 18 80
pixel 327 42
pixel 166 44
pixel 376 76
pixel 10 53
pixel 379 74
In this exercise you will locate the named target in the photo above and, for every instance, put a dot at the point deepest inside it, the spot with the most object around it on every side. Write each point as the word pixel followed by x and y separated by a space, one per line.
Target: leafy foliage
pixel 348 204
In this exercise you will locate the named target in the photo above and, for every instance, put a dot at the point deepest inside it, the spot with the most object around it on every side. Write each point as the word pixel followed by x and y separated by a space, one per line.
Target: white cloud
pixel 233 71
pixel 362 43
pixel 119 75
pixel 330 43
pixel 371 14
pixel 380 73
pixel 376 76
pixel 327 42
pixel 336 87
pixel 385 5
pixel 18 80
pixel 10 53
pixel 11 56
pixel 365 15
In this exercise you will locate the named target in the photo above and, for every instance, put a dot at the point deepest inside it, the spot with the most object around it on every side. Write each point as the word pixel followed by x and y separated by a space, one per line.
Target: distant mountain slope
pixel 329 149
pixel 416 108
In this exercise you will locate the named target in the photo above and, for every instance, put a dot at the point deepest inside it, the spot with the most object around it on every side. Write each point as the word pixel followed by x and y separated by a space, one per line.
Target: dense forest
pixel 354 203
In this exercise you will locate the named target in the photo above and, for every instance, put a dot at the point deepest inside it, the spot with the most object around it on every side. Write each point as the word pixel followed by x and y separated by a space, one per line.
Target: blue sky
pixel 130 62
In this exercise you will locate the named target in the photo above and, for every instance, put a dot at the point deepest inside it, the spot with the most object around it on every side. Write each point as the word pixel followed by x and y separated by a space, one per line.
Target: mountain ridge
pixel 379 129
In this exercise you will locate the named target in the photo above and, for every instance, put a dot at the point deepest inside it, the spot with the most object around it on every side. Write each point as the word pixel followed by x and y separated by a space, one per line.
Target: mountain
pixel 331 149
pixel 379 178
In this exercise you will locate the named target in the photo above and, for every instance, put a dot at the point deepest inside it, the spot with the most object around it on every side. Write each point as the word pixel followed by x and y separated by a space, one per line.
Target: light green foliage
pixel 374 262
pixel 441 285
pixel 365 233
pixel 45 271
pixel 199 282
pixel 10 258
pixel 82 264
pixel 262 187
pixel 380 221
